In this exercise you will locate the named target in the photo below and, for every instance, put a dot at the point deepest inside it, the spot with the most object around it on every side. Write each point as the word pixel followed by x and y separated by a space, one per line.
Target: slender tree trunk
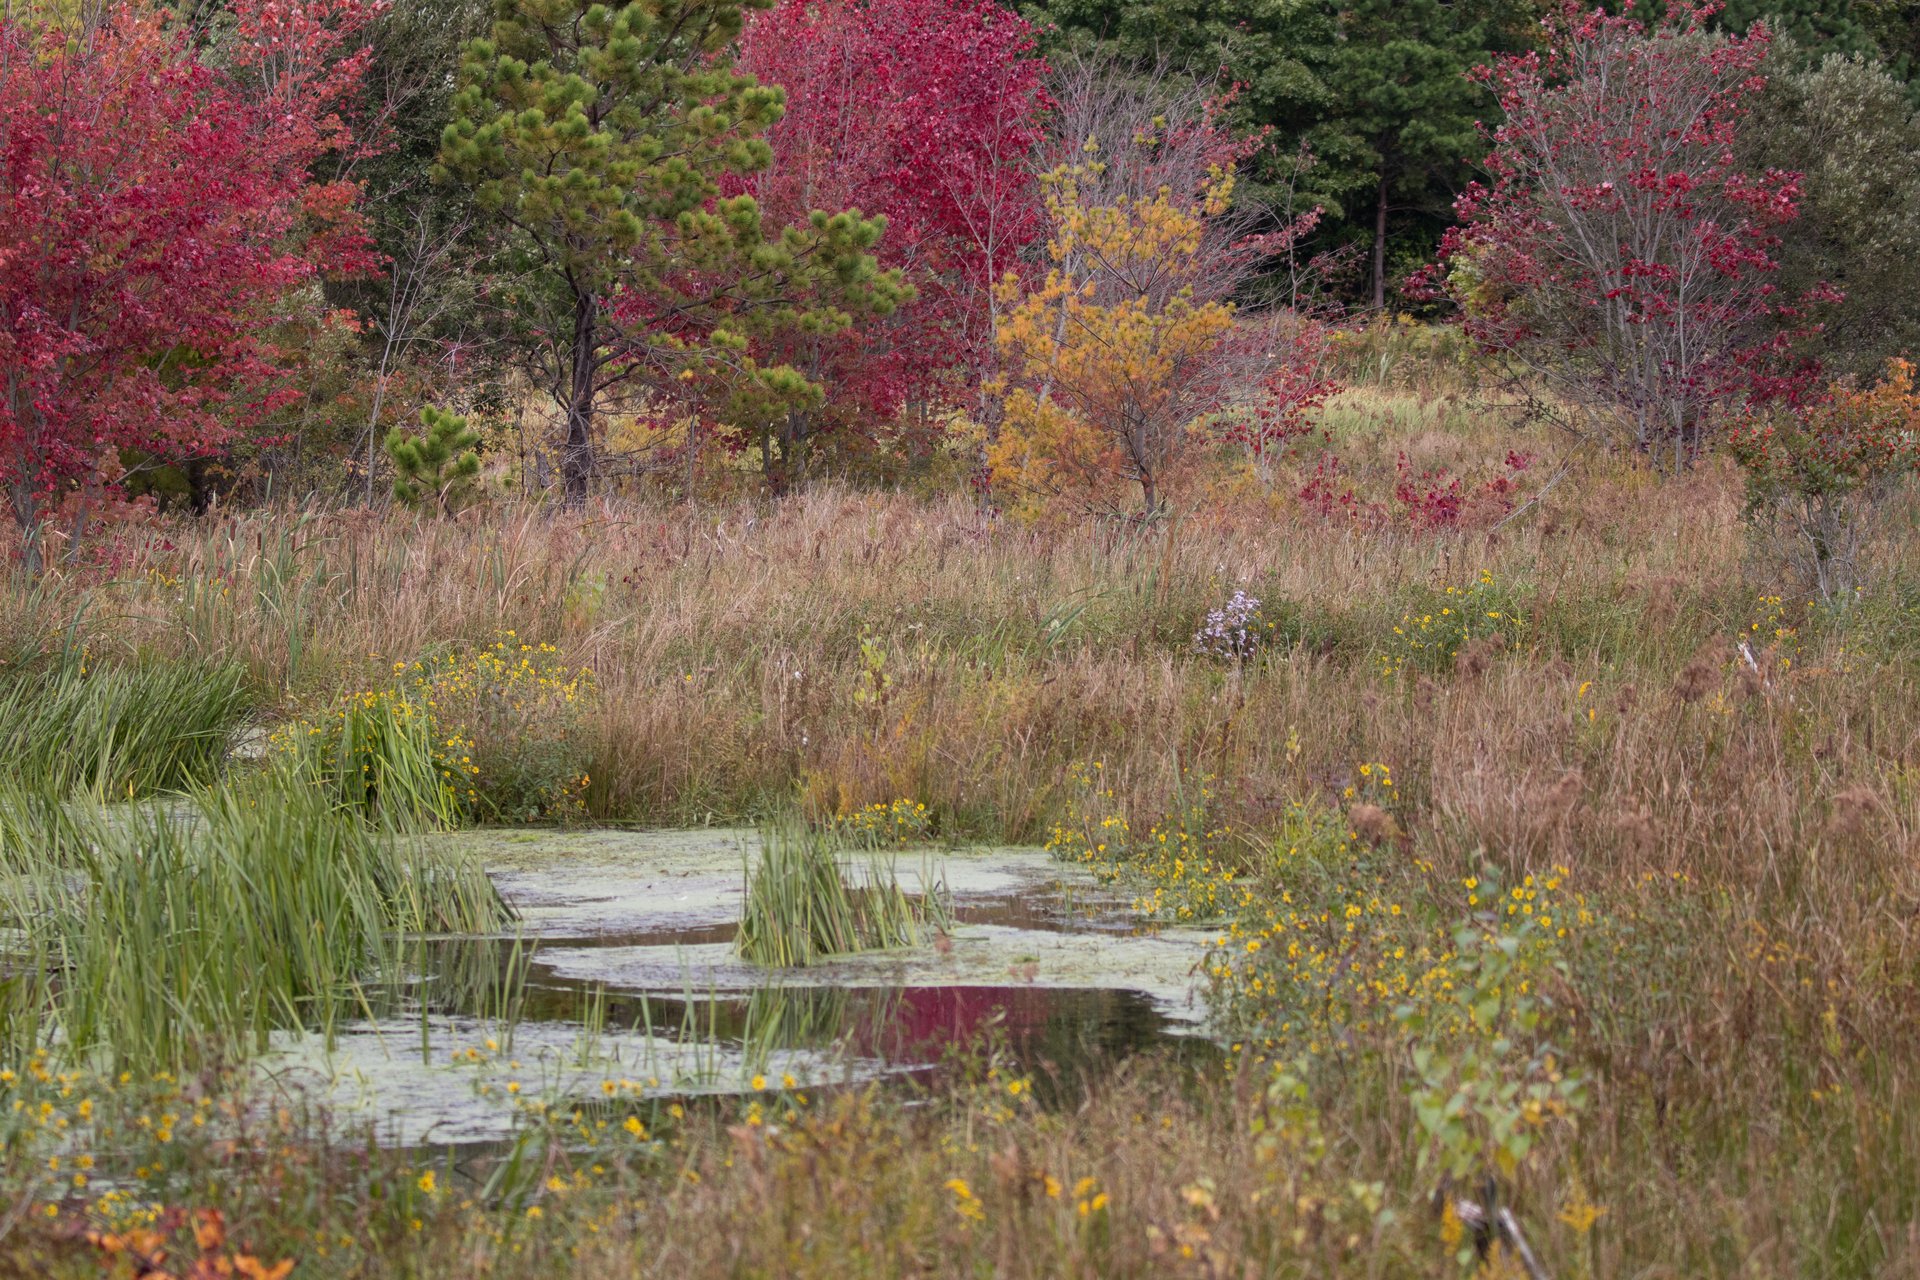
pixel 78 529
pixel 576 457
pixel 791 435
pixel 26 518
pixel 693 456
pixel 373 421
pixel 1380 247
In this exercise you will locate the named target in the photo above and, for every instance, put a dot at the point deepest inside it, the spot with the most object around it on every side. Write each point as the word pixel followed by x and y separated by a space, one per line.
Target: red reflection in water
pixel 923 1020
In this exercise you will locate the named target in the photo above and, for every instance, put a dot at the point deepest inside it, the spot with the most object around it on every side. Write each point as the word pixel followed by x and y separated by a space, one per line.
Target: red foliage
pixel 1325 495
pixel 300 63
pixel 1423 501
pixel 1428 500
pixel 1617 250
pixel 1297 384
pixel 926 111
pixel 1832 446
pixel 152 213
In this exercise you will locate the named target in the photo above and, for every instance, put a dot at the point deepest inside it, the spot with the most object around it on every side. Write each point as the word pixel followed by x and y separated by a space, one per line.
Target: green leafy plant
pixel 487 734
pixel 1487 1080
pixel 381 755
pixel 1448 627
pixel 437 467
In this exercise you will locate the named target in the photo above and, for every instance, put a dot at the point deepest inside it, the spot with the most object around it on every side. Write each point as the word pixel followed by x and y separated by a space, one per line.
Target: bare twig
pixel 1534 501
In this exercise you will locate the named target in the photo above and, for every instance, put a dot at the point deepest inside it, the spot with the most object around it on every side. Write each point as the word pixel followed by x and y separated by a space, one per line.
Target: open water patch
pixel 621 981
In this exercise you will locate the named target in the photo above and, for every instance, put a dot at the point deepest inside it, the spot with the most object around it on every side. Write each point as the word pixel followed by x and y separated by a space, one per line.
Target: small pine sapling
pixel 439 465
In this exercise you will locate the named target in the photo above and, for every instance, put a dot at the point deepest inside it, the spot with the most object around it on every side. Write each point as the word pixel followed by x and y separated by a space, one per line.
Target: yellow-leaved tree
pixel 1119 350
pixel 1129 350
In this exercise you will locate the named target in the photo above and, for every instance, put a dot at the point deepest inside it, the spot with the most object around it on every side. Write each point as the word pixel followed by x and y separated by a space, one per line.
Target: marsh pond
pixel 620 977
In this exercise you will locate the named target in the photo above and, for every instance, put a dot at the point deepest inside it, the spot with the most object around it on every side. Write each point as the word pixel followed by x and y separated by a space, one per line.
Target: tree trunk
pixel 576 457
pixel 792 435
pixel 26 518
pixel 1380 248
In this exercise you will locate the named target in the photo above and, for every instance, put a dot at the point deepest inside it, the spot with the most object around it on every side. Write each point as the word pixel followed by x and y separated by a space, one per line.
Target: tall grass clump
pixel 802 909
pixel 486 734
pixel 166 937
pixel 121 732
pixel 380 755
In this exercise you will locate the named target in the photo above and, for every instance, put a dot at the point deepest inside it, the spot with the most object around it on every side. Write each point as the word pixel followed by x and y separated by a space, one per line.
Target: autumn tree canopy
pixel 929 114
pixel 154 212
pixel 1618 252
pixel 601 142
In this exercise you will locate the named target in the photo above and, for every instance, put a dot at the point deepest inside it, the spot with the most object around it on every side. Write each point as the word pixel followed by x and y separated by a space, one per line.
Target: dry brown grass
pixel 1751 1033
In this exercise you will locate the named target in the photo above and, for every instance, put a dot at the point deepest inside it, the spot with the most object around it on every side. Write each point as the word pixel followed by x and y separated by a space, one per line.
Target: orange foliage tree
pixel 1130 351
pixel 1817 473
pixel 1118 350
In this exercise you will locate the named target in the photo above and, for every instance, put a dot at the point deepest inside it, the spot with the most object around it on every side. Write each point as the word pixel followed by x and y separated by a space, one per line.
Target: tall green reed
pixel 802 909
pixel 380 756
pixel 121 732
pixel 171 936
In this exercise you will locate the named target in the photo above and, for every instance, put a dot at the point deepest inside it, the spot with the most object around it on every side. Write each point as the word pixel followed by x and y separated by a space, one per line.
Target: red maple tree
pixel 1618 254
pixel 928 112
pixel 154 213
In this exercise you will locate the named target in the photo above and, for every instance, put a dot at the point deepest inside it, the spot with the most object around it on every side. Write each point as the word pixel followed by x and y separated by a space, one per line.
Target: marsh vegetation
pixel 879 637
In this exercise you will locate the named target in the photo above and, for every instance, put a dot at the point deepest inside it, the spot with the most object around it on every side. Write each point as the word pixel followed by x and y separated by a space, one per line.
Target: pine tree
pixel 439 466
pixel 1374 90
pixel 1404 127
pixel 599 138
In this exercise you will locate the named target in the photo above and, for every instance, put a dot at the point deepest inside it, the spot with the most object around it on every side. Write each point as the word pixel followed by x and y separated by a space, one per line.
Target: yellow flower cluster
pixel 489 726
pixel 1181 862
pixel 1305 973
pixel 1373 781
pixel 518 675
pixel 1430 638
pixel 1771 631
pixel 901 822
pixel 60 1124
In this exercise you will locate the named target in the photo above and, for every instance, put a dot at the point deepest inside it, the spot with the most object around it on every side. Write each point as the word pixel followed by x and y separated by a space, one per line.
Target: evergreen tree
pixel 1813 30
pixel 1405 115
pixel 1847 127
pixel 599 139
pixel 1376 90
pixel 439 466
